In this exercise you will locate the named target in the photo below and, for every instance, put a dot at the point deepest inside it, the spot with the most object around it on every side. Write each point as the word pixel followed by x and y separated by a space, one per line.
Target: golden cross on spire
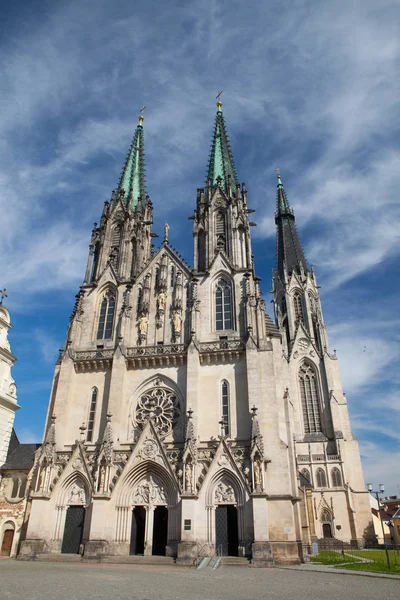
pixel 141 117
pixel 219 103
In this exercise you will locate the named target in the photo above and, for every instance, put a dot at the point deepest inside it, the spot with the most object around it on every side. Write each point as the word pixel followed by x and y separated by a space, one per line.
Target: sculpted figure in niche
pixel 257 474
pixel 143 324
pixel 162 300
pixel 177 318
pixel 188 476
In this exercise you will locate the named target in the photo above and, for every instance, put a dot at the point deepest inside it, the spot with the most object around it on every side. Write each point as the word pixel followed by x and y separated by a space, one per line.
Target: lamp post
pixel 376 494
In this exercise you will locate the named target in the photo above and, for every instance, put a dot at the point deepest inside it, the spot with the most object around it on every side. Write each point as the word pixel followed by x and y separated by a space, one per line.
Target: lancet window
pixel 321 478
pixel 220 230
pixel 310 400
pixel 92 413
pixel 298 307
pixel 336 477
pixel 106 317
pixel 225 406
pixel 223 306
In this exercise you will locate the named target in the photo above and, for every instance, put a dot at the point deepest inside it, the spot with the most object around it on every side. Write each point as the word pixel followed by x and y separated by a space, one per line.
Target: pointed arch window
pixel 15 487
pixel 306 475
pixel 116 235
pixel 139 300
pixel 92 413
pixel 172 276
pixel 321 478
pixel 242 247
pixel 106 317
pixel 223 306
pixel 220 230
pixel 310 400
pixel 298 307
pixel 225 406
pixel 336 477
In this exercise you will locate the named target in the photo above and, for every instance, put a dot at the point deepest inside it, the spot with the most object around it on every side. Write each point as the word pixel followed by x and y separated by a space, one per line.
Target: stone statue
pixel 166 230
pixel 143 324
pixel 162 300
pixel 77 495
pixel 257 474
pixel 188 476
pixel 177 319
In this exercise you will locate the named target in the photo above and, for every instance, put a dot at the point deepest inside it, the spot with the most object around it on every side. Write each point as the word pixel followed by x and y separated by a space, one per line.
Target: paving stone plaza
pixel 63 581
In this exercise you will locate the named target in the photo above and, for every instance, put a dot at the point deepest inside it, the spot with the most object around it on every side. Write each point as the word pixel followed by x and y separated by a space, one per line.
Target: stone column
pixel 148 536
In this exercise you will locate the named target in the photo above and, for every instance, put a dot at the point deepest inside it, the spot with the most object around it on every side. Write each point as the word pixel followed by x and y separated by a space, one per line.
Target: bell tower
pixel 221 221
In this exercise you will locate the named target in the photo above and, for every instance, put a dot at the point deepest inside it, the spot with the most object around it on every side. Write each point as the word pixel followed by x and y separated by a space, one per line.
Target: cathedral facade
pixel 184 421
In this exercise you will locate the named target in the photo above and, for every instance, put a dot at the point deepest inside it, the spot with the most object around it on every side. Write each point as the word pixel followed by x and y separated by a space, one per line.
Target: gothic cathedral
pixel 184 421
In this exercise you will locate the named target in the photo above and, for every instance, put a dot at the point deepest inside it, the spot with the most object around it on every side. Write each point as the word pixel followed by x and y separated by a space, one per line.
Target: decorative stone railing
pixel 148 356
pixel 221 350
pixel 307 458
pixel 92 360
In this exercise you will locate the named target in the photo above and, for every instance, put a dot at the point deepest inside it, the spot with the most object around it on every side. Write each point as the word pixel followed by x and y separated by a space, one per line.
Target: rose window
pixel 162 406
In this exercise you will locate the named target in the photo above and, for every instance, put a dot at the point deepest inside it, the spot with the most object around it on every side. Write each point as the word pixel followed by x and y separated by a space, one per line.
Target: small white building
pixel 181 414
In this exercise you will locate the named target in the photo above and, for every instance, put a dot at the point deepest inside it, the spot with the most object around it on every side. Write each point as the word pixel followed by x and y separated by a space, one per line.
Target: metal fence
pixel 379 558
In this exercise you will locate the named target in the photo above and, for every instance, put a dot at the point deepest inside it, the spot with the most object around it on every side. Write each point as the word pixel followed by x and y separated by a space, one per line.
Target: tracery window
pixel 310 401
pixel 162 405
pixel 242 247
pixel 92 413
pixel 336 477
pixel 298 307
pixel 106 317
pixel 17 487
pixel 321 478
pixel 172 283
pixel 116 235
pixel 225 406
pixel 223 306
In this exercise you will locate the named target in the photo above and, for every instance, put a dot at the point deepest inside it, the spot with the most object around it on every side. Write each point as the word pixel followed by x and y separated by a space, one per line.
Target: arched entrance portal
pixel 326 519
pixel 74 519
pixel 226 519
pixel 8 538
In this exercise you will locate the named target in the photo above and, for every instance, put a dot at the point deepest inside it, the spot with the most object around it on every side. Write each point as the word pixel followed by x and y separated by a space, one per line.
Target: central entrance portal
pixel 160 530
pixel 73 531
pixel 226 530
pixel 138 530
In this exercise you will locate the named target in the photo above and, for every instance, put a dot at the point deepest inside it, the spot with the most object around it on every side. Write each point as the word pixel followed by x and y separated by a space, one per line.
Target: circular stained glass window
pixel 162 405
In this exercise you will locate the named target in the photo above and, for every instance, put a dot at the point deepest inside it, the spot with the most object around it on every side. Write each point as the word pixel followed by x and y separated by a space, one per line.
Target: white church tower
pixel 8 389
pixel 183 420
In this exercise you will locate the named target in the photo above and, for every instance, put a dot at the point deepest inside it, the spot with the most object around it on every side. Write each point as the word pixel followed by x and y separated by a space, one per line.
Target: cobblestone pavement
pixel 62 581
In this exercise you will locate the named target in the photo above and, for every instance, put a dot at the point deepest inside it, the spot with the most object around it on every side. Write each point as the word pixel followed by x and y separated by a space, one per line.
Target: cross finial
pixel 219 103
pixel 3 294
pixel 141 116
pixel 254 410
pixel 278 171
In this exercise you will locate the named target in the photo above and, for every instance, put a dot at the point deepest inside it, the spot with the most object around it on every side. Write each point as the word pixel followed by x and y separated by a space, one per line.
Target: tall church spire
pixel 221 167
pixel 132 181
pixel 289 252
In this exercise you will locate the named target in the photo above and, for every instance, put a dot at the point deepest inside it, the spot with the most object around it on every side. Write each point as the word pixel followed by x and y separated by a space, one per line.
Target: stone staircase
pixel 234 561
pixel 134 560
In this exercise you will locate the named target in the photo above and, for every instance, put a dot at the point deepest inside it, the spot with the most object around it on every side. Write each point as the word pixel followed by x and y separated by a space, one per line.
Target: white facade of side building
pixel 174 411
pixel 8 390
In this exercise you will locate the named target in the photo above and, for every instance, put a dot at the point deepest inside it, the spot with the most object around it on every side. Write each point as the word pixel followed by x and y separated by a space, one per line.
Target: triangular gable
pixel 148 448
pixel 78 463
pixel 303 344
pixel 165 249
pixel 221 262
pixel 219 199
pixel 223 459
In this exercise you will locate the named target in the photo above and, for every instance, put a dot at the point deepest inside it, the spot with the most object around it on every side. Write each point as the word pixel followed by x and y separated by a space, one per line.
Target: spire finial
pixel 278 175
pixel 219 103
pixel 141 116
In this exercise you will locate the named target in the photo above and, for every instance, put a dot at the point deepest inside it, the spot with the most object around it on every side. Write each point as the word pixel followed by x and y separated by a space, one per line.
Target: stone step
pixel 234 561
pixel 59 557
pixel 137 560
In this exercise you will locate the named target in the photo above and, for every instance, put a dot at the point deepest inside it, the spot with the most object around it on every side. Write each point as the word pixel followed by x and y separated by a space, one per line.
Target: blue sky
pixel 311 87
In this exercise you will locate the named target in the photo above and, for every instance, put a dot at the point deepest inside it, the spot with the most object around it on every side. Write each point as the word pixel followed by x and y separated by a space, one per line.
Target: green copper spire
pixel 290 255
pixel 132 180
pixel 221 166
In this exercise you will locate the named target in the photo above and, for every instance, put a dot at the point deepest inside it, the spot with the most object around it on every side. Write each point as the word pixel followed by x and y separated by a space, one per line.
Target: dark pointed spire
pixel 132 181
pixel 221 168
pixel 289 252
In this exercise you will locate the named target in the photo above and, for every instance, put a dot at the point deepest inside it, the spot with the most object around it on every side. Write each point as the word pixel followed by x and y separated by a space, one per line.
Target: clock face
pixel 303 343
